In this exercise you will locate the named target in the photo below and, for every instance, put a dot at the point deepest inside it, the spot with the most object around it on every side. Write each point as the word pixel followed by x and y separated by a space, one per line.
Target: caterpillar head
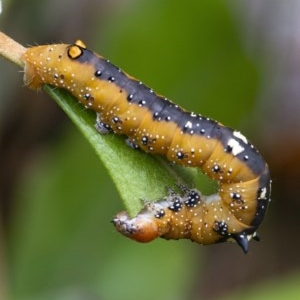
pixel 140 228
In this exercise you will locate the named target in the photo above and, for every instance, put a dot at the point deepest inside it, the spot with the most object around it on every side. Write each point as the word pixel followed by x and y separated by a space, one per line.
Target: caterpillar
pixel 156 125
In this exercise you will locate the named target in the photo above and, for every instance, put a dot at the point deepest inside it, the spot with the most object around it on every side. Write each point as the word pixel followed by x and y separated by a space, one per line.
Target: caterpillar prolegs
pixel 154 124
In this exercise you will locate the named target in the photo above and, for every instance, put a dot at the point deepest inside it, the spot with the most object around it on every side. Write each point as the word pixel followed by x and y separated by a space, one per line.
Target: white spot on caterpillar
pixel 263 193
pixel 188 124
pixel 240 136
pixel 235 146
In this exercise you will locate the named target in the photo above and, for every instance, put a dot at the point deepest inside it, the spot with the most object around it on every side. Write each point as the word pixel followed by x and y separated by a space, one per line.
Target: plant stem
pixel 11 50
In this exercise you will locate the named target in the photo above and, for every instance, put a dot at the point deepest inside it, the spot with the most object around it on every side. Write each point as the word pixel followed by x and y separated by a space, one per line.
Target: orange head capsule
pixel 141 228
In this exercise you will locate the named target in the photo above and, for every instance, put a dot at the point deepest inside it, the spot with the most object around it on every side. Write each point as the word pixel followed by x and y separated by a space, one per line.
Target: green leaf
pixel 136 174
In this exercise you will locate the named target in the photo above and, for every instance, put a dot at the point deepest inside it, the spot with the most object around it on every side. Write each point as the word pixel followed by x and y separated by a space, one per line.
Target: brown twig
pixel 11 50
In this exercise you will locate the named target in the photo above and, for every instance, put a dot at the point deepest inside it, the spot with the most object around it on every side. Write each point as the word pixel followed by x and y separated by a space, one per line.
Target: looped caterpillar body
pixel 180 216
pixel 156 125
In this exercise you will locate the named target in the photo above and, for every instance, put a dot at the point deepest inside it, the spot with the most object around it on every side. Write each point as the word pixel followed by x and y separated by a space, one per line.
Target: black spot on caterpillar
pixel 154 124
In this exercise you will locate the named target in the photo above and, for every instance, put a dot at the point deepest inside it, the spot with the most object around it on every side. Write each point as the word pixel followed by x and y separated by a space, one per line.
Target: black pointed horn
pixel 242 241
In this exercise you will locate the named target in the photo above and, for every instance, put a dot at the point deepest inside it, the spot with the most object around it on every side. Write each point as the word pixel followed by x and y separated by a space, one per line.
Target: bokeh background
pixel 235 61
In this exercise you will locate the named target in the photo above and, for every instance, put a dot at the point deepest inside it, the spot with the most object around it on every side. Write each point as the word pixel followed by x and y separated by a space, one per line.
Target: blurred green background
pixel 57 200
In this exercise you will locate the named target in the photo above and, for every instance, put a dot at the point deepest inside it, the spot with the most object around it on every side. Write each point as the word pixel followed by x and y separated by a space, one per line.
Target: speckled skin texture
pixel 156 125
